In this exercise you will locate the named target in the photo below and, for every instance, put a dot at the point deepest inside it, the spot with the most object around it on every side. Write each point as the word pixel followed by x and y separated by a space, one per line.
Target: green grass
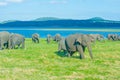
pixel 41 62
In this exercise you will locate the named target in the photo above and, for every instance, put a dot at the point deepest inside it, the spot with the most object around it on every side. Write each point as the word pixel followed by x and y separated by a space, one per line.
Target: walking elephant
pixel 57 37
pixel 17 40
pixel 98 37
pixel 35 37
pixel 78 42
pixel 4 39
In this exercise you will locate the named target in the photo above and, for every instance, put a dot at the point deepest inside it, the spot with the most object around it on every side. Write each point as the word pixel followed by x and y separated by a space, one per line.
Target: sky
pixel 67 9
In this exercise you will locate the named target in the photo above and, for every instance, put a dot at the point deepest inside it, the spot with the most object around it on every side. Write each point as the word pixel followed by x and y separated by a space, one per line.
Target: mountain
pixel 51 22
pixel 46 19
pixel 8 21
pixel 96 19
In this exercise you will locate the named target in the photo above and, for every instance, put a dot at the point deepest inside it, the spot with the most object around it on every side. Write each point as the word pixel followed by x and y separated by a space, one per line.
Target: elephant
pixel 119 37
pixel 113 37
pixel 98 37
pixel 62 46
pixel 35 37
pixel 57 37
pixel 48 38
pixel 4 39
pixel 78 42
pixel 17 40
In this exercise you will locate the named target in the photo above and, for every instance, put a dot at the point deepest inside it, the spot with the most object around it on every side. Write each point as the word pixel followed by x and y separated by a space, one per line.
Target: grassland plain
pixel 41 62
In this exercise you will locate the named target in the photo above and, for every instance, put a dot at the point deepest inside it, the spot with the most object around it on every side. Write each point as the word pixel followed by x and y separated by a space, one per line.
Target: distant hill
pixel 96 19
pixel 46 19
pixel 50 22
pixel 8 21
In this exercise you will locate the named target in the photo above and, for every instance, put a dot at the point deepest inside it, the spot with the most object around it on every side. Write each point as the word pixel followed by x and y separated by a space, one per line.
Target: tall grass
pixel 42 62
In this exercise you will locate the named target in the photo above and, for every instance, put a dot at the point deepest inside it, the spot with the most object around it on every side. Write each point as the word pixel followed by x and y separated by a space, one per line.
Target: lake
pixel 64 32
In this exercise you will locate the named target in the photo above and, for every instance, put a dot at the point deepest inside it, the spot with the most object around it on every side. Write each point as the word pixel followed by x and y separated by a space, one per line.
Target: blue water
pixel 64 33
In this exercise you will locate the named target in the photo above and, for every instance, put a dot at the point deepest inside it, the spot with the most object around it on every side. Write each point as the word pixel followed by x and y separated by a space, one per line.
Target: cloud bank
pixel 6 2
pixel 3 3
pixel 58 2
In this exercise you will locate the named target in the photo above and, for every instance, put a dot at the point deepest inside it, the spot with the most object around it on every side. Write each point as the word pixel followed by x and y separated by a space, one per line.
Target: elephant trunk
pixel 23 43
pixel 9 43
pixel 81 52
pixel 90 51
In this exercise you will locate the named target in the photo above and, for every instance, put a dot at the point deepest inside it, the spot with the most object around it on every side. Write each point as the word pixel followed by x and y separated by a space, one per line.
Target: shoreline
pixel 64 29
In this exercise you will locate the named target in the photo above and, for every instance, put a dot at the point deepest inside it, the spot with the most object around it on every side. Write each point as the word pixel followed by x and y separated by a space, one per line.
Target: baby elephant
pixel 16 39
pixel 61 46
pixel 35 38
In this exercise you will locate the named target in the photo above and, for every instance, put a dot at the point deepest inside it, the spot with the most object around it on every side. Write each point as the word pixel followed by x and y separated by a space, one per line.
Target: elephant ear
pixel 79 40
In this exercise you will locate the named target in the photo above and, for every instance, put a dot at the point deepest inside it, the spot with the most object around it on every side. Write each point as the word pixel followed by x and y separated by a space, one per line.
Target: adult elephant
pixel 78 42
pixel 48 38
pixel 57 37
pixel 98 37
pixel 17 40
pixel 113 37
pixel 4 39
pixel 35 37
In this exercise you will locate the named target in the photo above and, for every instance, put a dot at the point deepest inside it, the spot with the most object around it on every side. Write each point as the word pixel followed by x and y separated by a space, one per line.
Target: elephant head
pixel 84 41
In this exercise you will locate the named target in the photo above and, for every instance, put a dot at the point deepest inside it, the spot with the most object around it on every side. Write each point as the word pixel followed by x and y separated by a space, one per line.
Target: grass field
pixel 41 62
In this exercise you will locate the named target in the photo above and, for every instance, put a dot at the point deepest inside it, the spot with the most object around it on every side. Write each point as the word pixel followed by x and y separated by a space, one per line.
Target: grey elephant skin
pixel 57 37
pixel 113 37
pixel 35 37
pixel 78 42
pixel 48 38
pixel 17 40
pixel 97 37
pixel 62 46
pixel 4 39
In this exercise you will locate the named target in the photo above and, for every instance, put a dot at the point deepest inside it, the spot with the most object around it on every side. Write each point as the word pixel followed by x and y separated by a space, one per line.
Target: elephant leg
pixel 71 53
pixel 0 45
pixel 68 54
pixel 23 44
pixel 59 48
pixel 83 48
pixel 18 46
pixel 13 46
pixel 37 40
pixel 90 51
pixel 81 52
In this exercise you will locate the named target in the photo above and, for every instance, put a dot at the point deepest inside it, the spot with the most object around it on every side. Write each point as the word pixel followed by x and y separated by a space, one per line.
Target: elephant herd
pixel 78 42
pixel 71 44
pixel 114 37
pixel 11 40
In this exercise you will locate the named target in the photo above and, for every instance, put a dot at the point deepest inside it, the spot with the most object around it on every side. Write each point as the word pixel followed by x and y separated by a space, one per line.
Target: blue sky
pixel 75 9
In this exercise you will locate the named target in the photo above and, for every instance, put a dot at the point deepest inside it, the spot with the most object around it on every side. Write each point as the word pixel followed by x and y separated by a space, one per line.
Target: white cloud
pixel 14 1
pixel 6 2
pixel 3 3
pixel 58 1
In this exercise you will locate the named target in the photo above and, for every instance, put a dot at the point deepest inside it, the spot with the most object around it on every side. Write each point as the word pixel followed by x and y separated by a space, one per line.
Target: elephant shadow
pixel 61 54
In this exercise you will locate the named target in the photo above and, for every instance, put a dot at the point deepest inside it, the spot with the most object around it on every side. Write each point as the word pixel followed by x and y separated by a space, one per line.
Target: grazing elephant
pixel 17 39
pixel 78 42
pixel 35 37
pixel 119 37
pixel 57 37
pixel 4 39
pixel 98 37
pixel 113 37
pixel 62 46
pixel 48 38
